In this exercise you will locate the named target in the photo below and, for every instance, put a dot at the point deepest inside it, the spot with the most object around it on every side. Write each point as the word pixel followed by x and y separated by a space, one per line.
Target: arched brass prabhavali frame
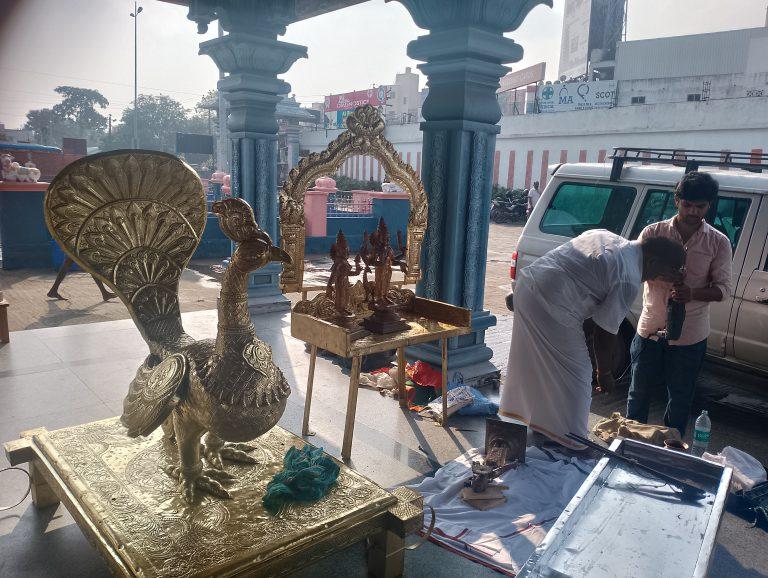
pixel 364 136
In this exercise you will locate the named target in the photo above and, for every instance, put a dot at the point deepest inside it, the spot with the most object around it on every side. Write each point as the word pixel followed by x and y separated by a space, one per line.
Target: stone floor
pixel 56 377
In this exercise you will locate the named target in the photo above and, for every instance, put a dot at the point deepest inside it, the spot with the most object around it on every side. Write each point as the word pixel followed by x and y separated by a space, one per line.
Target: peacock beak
pixel 277 254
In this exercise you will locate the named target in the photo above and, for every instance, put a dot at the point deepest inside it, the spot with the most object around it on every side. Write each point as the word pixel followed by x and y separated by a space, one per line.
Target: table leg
pixel 444 379
pixel 386 557
pixel 308 398
pixel 401 377
pixel 349 427
pixel 5 336
pixel 42 494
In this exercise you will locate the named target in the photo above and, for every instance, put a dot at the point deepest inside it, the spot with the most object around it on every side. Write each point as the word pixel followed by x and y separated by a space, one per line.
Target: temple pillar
pixel 464 55
pixel 292 136
pixel 253 57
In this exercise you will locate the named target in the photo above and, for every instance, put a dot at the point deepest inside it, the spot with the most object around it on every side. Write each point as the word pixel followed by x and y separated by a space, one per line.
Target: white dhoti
pixel 549 374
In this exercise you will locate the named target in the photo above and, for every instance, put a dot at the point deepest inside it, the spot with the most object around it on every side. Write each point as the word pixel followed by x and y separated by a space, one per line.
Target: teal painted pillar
pixel 253 57
pixel 464 55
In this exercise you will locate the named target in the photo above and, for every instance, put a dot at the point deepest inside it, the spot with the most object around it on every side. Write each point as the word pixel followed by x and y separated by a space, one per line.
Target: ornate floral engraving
pixel 434 232
pixel 472 253
pixel 139 509
pixel 364 136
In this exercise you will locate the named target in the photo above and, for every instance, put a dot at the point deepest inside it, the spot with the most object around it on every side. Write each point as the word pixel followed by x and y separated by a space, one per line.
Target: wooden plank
pixel 321 333
pixel 444 312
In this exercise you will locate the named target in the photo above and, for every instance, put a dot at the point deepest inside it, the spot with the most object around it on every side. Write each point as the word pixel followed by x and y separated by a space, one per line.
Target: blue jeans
pixel 657 364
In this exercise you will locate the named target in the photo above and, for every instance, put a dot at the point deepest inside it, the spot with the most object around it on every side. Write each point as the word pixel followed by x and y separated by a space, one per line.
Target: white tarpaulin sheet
pixel 504 537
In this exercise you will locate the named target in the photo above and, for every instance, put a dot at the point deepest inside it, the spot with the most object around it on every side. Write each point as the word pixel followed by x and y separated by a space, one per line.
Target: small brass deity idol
pixel 338 287
pixel 377 252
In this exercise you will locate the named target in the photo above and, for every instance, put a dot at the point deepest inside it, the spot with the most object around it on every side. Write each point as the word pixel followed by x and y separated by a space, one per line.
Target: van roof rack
pixel 690 159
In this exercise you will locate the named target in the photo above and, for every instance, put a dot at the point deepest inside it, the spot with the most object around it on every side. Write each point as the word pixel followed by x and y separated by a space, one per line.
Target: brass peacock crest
pixel 134 219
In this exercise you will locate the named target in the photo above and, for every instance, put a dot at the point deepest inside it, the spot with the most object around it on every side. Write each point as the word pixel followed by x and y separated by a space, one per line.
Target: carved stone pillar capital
pixel 253 57
pixel 496 15
pixel 464 56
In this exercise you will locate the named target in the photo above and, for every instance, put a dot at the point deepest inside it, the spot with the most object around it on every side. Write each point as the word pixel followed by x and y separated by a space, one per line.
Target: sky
pixel 89 43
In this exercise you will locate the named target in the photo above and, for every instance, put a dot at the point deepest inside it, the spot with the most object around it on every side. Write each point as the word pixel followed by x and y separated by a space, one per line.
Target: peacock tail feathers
pixel 134 219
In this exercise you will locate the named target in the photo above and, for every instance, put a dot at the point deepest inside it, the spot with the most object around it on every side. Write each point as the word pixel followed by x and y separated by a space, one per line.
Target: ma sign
pixel 577 96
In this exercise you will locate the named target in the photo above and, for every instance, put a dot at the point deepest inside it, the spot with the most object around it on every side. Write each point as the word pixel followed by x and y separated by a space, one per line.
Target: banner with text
pixel 577 96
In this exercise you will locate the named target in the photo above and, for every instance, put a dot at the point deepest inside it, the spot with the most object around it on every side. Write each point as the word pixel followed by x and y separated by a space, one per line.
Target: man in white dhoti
pixel 596 277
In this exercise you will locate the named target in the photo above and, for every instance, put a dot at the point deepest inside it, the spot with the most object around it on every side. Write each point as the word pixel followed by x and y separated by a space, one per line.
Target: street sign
pixel 577 96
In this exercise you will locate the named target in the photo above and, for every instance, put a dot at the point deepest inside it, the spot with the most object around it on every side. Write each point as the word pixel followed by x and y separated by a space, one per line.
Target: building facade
pixel 706 91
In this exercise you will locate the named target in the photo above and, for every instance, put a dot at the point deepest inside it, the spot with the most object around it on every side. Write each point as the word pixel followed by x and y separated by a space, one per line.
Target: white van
pixel 637 190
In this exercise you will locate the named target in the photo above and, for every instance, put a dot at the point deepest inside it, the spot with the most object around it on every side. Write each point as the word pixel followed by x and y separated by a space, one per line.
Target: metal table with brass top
pixel 132 512
pixel 427 320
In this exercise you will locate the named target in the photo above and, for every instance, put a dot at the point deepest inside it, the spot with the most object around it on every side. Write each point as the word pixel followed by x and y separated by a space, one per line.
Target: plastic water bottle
pixel 701 434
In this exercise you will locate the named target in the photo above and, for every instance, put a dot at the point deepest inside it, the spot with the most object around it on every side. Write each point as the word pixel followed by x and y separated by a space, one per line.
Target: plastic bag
pixel 457 398
pixel 747 471
pixel 480 405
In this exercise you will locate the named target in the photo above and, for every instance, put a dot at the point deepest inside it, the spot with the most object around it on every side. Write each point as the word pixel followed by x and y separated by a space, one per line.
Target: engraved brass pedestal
pixel 131 510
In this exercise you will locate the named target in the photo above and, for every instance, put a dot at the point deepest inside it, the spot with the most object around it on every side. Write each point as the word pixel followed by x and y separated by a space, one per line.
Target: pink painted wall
pixel 316 207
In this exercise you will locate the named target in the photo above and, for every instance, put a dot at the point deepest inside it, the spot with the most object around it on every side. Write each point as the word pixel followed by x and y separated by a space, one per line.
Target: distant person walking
pixel 533 198
pixel 106 295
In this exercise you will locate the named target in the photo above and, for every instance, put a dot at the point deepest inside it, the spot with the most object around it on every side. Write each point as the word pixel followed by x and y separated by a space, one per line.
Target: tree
pixel 75 116
pixel 160 118
pixel 48 126
pixel 79 106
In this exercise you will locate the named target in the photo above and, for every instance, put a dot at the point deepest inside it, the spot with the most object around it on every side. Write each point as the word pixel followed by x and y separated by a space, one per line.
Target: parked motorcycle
pixel 507 212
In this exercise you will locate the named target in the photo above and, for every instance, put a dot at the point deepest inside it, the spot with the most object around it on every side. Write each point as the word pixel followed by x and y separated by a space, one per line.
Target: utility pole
pixel 135 15
pixel 109 131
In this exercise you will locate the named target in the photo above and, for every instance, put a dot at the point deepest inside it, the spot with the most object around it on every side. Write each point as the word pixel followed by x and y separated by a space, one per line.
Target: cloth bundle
pixel 383 380
pixel 619 426
pixel 307 476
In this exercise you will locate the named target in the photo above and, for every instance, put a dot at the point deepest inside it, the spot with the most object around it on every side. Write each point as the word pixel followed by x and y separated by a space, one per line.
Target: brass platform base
pixel 115 489
pixel 384 322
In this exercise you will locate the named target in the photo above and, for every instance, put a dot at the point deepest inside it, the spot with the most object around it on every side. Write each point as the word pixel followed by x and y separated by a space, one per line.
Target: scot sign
pixel 577 96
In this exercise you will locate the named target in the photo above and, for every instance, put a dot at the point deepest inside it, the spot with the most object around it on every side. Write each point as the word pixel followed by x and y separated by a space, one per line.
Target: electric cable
pixel 29 487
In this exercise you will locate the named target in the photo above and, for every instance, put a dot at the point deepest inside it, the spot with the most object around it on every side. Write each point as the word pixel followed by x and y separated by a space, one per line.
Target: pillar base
pixel 264 295
pixel 467 354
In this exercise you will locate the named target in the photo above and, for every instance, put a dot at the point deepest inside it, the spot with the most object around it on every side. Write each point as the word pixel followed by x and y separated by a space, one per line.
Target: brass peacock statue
pixel 133 219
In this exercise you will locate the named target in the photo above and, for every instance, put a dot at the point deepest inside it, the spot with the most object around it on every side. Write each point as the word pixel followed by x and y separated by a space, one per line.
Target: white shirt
pixel 597 274
pixel 533 196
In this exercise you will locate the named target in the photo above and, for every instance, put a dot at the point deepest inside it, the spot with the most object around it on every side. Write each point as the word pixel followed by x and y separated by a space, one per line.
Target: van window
pixel 579 207
pixel 658 206
pixel 728 217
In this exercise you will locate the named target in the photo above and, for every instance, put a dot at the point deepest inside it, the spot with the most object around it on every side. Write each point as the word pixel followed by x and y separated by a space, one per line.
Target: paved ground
pixel 501 242
pixel 390 448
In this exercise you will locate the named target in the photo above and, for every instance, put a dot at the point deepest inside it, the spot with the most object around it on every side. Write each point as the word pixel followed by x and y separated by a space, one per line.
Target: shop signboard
pixel 339 106
pixel 577 96
pixel 523 77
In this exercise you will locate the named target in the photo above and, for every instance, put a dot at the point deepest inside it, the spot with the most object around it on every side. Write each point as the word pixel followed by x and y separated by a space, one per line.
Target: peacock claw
pixel 208 480
pixel 219 475
pixel 236 452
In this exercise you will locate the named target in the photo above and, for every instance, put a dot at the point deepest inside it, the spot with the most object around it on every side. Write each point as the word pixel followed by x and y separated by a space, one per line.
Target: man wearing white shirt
pixel 593 278
pixel 533 197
